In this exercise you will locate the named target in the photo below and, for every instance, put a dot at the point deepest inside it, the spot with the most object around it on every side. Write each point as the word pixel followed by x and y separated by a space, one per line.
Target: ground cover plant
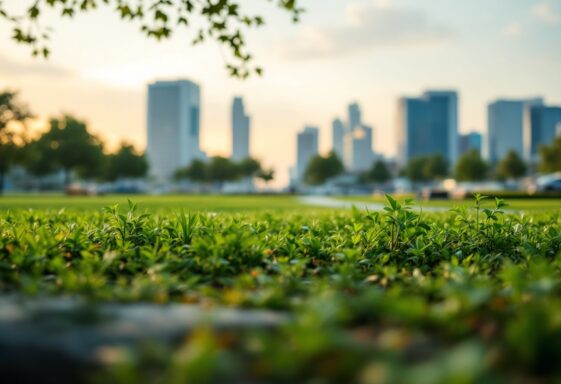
pixel 470 295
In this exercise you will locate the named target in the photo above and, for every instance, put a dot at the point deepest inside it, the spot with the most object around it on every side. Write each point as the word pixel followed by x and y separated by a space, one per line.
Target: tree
pixel 11 111
pixel 436 167
pixel 320 169
pixel 550 156
pixel 249 167
pixel 378 173
pixel 511 167
pixel 197 171
pixel 471 167
pixel 223 21
pixel 414 170
pixel 266 175
pixel 221 169
pixel 125 163
pixel 68 146
pixel 426 168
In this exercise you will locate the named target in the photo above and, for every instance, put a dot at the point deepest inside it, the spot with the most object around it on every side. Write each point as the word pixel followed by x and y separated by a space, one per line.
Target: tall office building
pixel 307 147
pixel 358 149
pixel 240 131
pixel 428 125
pixel 338 134
pixel 355 116
pixel 469 141
pixel 173 126
pixel 505 127
pixel 542 124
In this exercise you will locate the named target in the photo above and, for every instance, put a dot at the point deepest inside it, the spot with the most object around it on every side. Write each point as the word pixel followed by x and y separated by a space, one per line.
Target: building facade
pixel 358 149
pixel 505 127
pixel 470 141
pixel 355 116
pixel 338 135
pixel 542 124
pixel 240 130
pixel 428 125
pixel 307 146
pixel 173 126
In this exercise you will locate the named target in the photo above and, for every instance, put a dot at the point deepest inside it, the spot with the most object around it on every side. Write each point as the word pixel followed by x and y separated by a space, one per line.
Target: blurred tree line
pixel 422 169
pixel 66 146
pixel 221 169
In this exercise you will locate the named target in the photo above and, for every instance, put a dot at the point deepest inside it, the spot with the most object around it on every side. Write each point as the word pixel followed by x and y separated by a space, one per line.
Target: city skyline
pixel 376 55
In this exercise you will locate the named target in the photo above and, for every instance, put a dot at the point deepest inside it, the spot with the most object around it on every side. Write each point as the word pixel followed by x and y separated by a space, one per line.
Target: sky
pixel 368 51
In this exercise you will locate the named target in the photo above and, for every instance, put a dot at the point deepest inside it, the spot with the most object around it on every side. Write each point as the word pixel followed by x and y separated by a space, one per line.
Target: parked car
pixel 549 183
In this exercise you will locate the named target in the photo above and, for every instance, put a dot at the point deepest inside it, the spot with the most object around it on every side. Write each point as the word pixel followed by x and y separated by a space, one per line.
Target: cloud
pixel 546 12
pixel 513 29
pixel 367 27
pixel 35 67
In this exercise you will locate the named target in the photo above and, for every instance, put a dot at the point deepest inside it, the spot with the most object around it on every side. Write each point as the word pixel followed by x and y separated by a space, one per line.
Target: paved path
pixel 331 202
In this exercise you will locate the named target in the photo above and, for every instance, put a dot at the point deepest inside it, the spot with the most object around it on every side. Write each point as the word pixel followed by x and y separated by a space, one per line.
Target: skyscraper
pixel 338 134
pixel 355 116
pixel 428 125
pixel 240 131
pixel 542 124
pixel 173 126
pixel 358 149
pixel 469 141
pixel 505 127
pixel 307 148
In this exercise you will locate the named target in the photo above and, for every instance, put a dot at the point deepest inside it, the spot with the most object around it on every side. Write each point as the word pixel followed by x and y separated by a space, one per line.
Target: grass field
pixel 537 204
pixel 393 296
pixel 200 203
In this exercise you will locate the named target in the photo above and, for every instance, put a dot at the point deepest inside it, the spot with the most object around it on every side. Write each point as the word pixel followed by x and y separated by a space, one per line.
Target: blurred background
pixel 359 96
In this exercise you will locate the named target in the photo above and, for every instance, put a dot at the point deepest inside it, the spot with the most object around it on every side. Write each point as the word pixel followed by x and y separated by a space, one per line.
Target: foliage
pixel 67 146
pixel 511 167
pixel 266 175
pixel 471 167
pixel 550 156
pixel 11 111
pixel 249 167
pixel 320 169
pixel 196 171
pixel 389 296
pixel 219 169
pixel 378 173
pixel 426 168
pixel 125 163
pixel 223 21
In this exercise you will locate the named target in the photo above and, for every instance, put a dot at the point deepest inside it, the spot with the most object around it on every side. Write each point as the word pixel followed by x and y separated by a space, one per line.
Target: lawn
pixel 164 203
pixel 537 204
pixel 392 296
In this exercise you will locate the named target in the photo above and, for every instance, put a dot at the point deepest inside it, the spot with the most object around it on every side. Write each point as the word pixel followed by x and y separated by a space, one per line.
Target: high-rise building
pixel 173 126
pixel 307 147
pixel 240 131
pixel 470 141
pixel 355 116
pixel 338 134
pixel 542 124
pixel 358 149
pixel 505 127
pixel 428 125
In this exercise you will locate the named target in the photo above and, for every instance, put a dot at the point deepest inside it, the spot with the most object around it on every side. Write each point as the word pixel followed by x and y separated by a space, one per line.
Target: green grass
pixel 168 203
pixel 537 204
pixel 472 295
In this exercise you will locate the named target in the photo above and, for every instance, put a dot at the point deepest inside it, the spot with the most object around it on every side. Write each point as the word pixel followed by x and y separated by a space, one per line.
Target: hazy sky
pixel 343 50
